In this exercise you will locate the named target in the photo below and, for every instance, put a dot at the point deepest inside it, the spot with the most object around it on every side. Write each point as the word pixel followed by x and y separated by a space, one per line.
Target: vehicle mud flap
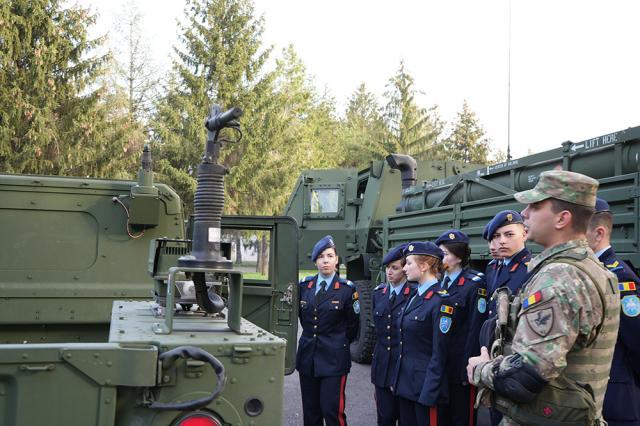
pixel 362 346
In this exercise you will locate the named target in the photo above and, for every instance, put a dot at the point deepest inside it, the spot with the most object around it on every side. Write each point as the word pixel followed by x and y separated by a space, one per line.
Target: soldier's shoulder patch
pixel 534 299
pixel 630 306
pixel 626 286
pixel 540 321
pixel 613 265
pixel 356 306
pixel 445 324
pixel 354 296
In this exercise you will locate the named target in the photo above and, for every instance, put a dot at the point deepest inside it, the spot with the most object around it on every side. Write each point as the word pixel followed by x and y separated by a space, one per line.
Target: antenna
pixel 509 92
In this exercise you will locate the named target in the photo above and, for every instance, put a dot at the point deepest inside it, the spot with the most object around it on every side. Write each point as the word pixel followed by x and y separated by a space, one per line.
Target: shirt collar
pixel 425 285
pixel 600 252
pixel 328 279
pixel 507 260
pixel 398 289
pixel 452 276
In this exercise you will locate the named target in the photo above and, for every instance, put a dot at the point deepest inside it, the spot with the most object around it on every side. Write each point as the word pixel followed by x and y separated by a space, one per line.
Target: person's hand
pixel 475 360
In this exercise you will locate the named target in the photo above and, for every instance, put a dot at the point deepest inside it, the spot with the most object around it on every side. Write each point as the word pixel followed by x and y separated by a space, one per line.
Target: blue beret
pixel 503 218
pixel 324 243
pixel 452 236
pixel 426 248
pixel 602 206
pixel 394 254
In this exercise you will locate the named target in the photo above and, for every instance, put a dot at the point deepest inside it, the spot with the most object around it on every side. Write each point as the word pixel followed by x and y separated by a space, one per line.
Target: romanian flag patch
pixel 627 286
pixel 532 300
pixel 446 309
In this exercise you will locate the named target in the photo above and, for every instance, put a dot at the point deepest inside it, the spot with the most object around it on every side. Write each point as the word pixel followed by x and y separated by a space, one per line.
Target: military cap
pixel 503 218
pixel 452 236
pixel 563 185
pixel 602 206
pixel 426 248
pixel 394 254
pixel 324 243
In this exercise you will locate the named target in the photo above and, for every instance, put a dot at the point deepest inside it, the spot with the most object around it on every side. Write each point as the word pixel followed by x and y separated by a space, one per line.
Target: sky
pixel 574 64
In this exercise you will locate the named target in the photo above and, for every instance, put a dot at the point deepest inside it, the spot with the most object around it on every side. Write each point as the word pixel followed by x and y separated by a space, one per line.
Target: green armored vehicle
pixel 109 316
pixel 370 212
pixel 351 205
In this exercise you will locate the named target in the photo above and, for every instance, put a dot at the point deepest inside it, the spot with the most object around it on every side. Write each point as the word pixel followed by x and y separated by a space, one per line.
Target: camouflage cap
pixel 563 185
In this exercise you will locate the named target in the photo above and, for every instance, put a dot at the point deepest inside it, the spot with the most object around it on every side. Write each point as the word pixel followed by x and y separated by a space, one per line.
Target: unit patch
pixel 482 291
pixel 541 321
pixel 354 296
pixel 445 324
pixel 356 306
pixel 482 305
pixel 532 300
pixel 631 306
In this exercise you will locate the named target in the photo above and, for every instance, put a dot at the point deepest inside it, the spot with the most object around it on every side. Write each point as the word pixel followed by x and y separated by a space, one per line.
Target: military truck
pixel 110 316
pixel 351 205
pixel 466 200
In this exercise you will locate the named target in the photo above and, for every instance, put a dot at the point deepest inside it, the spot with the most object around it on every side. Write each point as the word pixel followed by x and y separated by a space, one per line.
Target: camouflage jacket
pixel 560 313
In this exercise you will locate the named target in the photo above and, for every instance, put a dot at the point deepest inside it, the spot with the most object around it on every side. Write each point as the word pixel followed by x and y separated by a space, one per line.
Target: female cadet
pixel 467 293
pixel 328 314
pixel 388 299
pixel 419 379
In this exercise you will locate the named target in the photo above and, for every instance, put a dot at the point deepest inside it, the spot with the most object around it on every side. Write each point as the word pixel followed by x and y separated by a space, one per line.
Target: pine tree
pixel 363 131
pixel 467 141
pixel 53 114
pixel 412 129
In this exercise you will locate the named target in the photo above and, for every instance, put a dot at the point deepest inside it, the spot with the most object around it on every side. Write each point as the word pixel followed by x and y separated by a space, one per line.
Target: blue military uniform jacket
pixel 328 327
pixel 512 275
pixel 490 273
pixel 622 400
pixel 468 295
pixel 385 320
pixel 424 329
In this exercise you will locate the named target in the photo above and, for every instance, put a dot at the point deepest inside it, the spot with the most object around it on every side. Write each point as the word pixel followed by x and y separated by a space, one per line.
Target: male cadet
pixel 622 400
pixel 557 364
pixel 388 299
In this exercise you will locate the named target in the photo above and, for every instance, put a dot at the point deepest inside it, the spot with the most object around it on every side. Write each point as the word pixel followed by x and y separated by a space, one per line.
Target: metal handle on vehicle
pixel 169 357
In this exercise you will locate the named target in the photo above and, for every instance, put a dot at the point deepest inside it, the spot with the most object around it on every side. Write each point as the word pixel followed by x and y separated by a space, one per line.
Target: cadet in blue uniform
pixel 505 231
pixel 424 324
pixel 491 271
pixel 388 299
pixel 328 313
pixel 468 295
pixel 622 400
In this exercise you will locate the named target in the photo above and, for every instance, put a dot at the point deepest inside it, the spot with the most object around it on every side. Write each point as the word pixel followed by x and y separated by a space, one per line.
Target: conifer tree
pixel 54 118
pixel 467 141
pixel 413 130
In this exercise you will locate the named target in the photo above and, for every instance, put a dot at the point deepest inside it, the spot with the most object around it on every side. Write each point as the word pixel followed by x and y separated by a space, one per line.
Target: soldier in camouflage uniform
pixel 564 322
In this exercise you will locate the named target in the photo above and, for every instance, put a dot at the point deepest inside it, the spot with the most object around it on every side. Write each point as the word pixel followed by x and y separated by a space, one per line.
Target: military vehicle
pixel 466 200
pixel 351 205
pixel 111 317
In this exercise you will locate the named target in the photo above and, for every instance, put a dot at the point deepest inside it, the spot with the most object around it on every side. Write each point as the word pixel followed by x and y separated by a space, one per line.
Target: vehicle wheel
pixel 362 347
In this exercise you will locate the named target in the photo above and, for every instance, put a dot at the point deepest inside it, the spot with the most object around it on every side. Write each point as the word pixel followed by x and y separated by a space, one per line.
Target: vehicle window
pixel 249 251
pixel 325 200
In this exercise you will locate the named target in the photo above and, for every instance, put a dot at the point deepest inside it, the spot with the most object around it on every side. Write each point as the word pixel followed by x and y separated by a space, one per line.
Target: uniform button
pixel 315 326
pixel 388 348
pixel 315 318
pixel 388 337
pixel 415 318
pixel 314 335
pixel 388 327
pixel 490 312
pixel 389 316
pixel 400 356
pixel 400 342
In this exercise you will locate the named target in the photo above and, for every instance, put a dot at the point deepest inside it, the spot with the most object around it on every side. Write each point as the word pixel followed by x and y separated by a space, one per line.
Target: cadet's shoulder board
pixel 532 300
pixel 382 287
pixel 306 279
pixel 477 278
pixel 345 281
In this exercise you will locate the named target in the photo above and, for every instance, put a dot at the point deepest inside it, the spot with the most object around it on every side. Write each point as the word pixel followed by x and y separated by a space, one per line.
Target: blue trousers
pixel 387 406
pixel 323 398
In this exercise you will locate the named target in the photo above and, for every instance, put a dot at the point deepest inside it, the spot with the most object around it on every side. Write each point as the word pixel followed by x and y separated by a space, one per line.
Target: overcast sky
pixel 574 64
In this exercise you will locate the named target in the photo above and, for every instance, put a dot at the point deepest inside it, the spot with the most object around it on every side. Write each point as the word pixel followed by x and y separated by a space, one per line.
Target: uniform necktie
pixel 323 290
pixel 445 282
pixel 392 299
